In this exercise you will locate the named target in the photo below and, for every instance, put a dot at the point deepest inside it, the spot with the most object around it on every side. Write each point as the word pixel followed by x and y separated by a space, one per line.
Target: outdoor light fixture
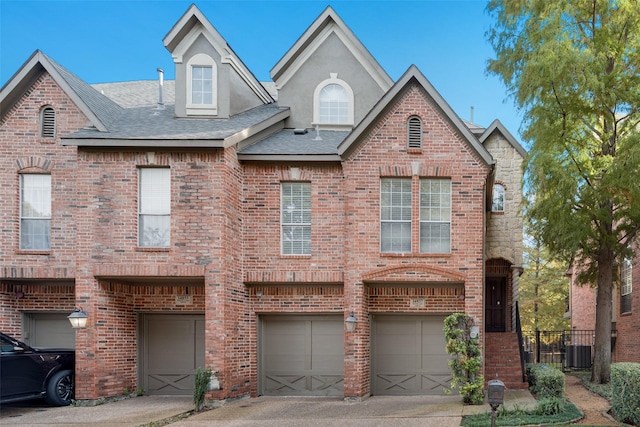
pixel 78 318
pixel 351 322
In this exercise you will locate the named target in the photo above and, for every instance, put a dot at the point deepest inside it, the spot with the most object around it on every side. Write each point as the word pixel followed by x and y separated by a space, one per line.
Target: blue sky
pixel 113 41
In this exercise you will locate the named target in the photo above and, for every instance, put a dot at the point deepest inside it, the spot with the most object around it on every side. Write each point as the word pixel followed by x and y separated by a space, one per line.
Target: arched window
pixel 202 88
pixel 333 102
pixel 498 198
pixel 414 132
pixel 47 122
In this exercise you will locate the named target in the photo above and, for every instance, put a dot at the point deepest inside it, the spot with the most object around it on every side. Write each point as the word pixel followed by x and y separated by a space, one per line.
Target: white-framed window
pixel 295 218
pixel 154 207
pixel 414 132
pixel 47 122
pixel 35 211
pixel 497 204
pixel 333 103
pixel 626 286
pixel 435 215
pixel 202 88
pixel 395 215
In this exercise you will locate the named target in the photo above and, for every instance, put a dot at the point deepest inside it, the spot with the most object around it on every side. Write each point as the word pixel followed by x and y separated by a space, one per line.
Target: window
pixel 497 204
pixel 414 132
pixel 395 215
pixel 47 122
pixel 201 85
pixel 333 102
pixel 154 207
pixel 35 211
pixel 626 287
pixel 295 208
pixel 435 216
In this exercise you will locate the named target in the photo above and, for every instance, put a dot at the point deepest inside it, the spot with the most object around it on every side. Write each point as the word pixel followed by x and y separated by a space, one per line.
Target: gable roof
pixel 497 126
pixel 326 24
pixel 411 76
pixel 100 110
pixel 193 24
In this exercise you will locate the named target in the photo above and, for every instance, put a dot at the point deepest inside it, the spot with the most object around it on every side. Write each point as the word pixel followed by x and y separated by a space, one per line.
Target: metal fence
pixel 566 350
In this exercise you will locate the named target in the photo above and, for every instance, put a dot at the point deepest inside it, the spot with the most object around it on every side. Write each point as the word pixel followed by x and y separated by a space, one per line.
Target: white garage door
pixel 301 356
pixel 173 349
pixel 48 330
pixel 409 356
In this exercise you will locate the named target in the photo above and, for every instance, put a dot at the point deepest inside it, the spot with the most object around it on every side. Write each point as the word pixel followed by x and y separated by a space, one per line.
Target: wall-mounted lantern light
pixel 78 318
pixel 351 322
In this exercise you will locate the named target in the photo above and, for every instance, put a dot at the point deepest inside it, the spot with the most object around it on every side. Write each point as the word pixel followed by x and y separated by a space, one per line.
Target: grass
pixel 520 417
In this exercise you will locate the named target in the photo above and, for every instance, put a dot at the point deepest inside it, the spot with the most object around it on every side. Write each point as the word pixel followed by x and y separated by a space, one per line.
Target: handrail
pixel 520 342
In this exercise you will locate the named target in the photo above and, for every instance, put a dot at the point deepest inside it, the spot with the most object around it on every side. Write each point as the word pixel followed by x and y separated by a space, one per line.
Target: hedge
pixel 544 381
pixel 625 391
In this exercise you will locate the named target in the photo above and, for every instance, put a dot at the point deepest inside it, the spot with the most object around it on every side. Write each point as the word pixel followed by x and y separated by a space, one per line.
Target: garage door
pixel 409 356
pixel 48 330
pixel 172 351
pixel 301 356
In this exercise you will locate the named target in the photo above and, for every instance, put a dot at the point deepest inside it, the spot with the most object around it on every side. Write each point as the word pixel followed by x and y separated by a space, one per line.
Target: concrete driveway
pixel 408 411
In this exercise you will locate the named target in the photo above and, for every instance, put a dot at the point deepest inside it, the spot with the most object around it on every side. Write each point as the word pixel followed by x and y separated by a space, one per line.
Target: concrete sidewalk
pixel 409 411
pixel 131 412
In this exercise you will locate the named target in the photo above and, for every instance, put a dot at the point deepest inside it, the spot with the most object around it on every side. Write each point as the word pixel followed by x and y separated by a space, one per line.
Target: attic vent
pixel 48 122
pixel 300 131
pixel 414 132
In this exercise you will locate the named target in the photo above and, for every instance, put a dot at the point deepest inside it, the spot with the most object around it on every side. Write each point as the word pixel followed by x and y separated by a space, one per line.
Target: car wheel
pixel 60 389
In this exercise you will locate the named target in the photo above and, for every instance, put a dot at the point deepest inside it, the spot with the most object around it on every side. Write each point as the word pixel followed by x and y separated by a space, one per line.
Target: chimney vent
pixel 160 88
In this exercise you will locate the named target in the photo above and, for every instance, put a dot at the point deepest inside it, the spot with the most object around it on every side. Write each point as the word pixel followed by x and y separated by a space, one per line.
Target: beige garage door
pixel 172 351
pixel 409 356
pixel 48 330
pixel 301 356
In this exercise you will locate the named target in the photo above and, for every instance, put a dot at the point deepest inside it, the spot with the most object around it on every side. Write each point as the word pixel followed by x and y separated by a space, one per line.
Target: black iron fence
pixel 566 350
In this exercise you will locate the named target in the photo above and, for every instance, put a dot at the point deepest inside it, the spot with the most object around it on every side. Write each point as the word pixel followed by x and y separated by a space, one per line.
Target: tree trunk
pixel 601 372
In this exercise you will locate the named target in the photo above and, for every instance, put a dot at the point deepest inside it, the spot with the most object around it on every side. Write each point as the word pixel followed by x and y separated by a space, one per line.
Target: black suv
pixel 28 373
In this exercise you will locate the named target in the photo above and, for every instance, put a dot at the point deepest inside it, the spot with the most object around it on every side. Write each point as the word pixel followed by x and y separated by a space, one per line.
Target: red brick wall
pixel 17 298
pixel 627 348
pixel 20 127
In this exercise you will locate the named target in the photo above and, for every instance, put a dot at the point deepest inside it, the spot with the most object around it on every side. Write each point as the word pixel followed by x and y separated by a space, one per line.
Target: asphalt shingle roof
pixel 286 142
pixel 154 123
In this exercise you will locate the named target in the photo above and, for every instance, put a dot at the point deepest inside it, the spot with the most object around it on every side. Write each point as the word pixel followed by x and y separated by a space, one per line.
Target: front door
pixel 496 304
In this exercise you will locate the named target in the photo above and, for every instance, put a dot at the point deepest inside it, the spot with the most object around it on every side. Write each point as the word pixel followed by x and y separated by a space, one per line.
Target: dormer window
pixel 47 122
pixel 202 90
pixel 333 103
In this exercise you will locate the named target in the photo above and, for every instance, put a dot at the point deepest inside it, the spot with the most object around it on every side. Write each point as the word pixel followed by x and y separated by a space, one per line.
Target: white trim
pixel 202 60
pixel 316 102
pixel 333 28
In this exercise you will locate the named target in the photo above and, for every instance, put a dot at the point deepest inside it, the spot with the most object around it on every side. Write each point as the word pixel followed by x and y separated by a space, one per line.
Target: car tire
pixel 60 388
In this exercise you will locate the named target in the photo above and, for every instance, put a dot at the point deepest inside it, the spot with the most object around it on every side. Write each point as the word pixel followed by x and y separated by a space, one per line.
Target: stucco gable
pixel 410 77
pixel 100 110
pixel 192 25
pixel 327 24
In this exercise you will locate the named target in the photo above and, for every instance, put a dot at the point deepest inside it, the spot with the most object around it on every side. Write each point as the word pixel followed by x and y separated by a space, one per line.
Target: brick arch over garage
pixel 413 273
pixel 414 288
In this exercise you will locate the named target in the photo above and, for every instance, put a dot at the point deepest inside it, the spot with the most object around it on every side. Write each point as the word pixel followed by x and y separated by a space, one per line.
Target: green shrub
pixel 545 382
pixel 625 392
pixel 203 375
pixel 467 362
pixel 549 406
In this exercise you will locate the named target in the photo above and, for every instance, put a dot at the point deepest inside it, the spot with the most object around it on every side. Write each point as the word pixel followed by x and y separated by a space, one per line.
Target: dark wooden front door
pixel 496 304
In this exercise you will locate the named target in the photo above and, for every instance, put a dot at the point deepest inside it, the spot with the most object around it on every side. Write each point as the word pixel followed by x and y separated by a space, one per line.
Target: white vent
pixel 414 132
pixel 48 123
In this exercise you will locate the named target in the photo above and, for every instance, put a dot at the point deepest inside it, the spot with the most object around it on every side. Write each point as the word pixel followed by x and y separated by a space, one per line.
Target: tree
pixel 574 70
pixel 544 290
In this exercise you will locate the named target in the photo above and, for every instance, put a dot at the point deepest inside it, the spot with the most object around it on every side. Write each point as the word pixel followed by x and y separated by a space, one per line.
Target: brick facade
pixel 224 255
